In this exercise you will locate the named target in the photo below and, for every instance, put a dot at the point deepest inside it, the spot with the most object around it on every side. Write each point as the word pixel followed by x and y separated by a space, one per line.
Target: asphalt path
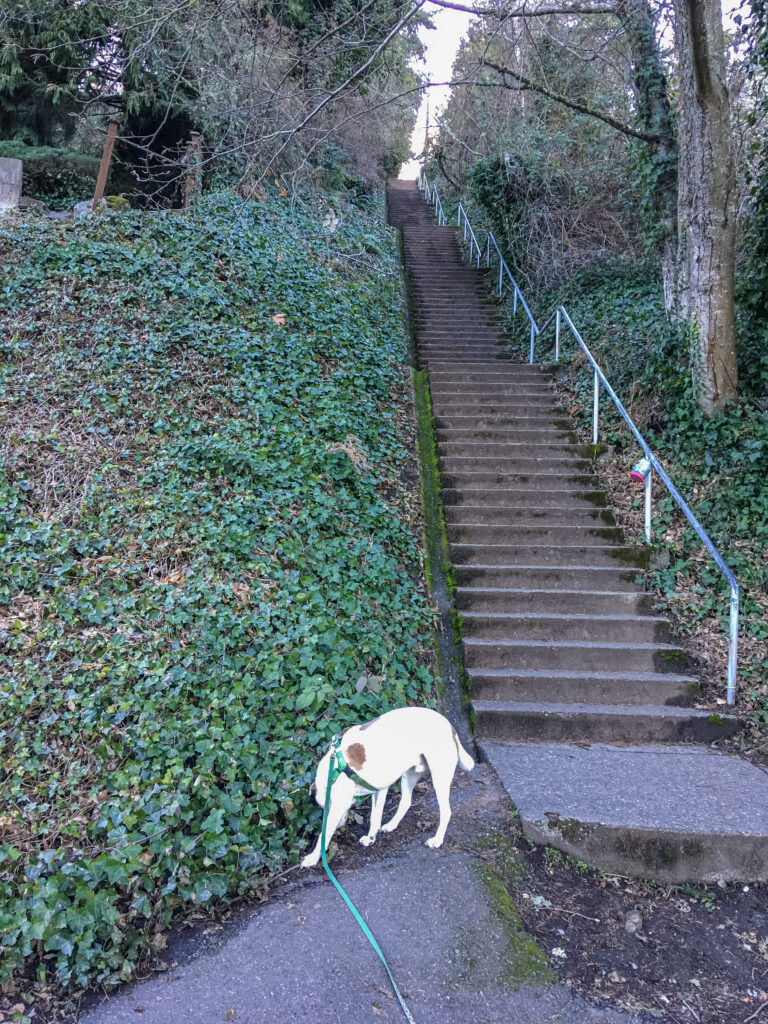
pixel 302 959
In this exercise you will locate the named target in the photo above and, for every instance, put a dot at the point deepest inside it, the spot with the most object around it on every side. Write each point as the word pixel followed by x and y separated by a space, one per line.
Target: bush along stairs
pixel 580 695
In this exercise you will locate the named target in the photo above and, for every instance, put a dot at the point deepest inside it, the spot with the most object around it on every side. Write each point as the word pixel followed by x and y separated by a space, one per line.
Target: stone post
pixel 10 183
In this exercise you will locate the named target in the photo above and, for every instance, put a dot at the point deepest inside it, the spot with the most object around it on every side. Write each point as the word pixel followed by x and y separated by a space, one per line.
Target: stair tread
pixel 636 710
pixel 611 645
pixel 556 673
pixel 680 788
pixel 564 616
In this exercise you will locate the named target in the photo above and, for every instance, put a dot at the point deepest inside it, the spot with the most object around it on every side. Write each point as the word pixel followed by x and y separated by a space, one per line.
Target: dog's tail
pixel 466 762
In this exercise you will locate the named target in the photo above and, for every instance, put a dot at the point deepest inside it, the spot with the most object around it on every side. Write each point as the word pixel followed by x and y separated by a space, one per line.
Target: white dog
pixel 399 745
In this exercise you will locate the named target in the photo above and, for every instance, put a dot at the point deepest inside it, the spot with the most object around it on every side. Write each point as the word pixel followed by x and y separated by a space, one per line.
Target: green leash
pixel 335 768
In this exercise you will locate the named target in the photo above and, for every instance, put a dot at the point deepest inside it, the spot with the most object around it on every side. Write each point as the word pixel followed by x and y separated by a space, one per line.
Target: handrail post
pixel 595 406
pixel 733 644
pixel 533 341
pixel 647 483
pixel 557 335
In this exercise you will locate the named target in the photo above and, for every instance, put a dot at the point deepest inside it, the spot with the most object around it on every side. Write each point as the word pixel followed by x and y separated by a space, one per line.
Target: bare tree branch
pixel 581 108
pixel 526 12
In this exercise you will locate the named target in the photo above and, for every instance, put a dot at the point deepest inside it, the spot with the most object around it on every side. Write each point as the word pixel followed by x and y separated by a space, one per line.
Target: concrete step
pixel 509 421
pixel 560 601
pixel 508 397
pixel 546 554
pixel 565 493
pixel 501 372
pixel 530 515
pixel 574 655
pixel 565 686
pixel 477 348
pixel 492 389
pixel 591 578
pixel 574 535
pixel 674 814
pixel 573 625
pixel 530 405
pixel 500 357
pixel 429 348
pixel 518 476
pixel 599 723
pixel 517 435
pixel 481 368
pixel 562 452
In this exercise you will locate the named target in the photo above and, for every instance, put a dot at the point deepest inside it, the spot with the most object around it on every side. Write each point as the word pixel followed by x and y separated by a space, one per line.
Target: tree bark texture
pixel 706 202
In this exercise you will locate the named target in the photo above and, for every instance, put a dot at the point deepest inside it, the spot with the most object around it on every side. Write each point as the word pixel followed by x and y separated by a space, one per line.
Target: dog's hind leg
pixel 407 783
pixel 377 809
pixel 442 776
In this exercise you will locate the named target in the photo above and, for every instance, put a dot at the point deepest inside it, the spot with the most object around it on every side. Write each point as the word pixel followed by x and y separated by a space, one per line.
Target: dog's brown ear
pixel 313 789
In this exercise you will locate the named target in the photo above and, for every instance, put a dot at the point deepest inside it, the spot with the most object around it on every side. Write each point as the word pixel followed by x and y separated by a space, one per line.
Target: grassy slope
pixel 205 547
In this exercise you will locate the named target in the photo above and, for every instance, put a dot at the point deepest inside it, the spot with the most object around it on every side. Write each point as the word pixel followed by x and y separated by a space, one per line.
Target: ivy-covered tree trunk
pixel 656 117
pixel 706 202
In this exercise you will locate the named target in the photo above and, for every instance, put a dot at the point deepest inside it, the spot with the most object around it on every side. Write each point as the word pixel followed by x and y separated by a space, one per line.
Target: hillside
pixel 210 557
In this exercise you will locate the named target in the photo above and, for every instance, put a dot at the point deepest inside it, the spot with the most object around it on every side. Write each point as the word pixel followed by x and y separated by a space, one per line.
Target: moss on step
pixel 593 451
pixel 435 532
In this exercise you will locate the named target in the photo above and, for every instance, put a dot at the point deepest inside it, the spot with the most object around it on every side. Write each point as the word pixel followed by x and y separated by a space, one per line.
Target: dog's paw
pixel 434 843
pixel 367 840
pixel 310 861
pixel 389 827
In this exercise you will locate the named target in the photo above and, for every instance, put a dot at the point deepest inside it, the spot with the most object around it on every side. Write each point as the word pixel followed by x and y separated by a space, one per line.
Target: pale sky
pixel 442 44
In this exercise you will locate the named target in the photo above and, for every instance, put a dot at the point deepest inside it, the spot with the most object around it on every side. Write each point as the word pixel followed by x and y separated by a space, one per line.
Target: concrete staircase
pixel 580 693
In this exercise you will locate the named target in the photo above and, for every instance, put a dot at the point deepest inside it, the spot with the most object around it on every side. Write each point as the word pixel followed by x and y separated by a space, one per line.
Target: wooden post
pixel 106 157
pixel 193 182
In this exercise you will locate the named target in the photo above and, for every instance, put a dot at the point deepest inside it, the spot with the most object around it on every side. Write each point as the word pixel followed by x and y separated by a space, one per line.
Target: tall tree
pixel 706 202
pixel 694 191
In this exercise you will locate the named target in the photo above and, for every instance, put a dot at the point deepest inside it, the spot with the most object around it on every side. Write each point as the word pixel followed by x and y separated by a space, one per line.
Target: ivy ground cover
pixel 208 560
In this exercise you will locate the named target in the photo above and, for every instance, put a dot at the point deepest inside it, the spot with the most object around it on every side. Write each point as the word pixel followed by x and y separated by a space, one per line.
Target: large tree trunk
pixel 655 115
pixel 706 202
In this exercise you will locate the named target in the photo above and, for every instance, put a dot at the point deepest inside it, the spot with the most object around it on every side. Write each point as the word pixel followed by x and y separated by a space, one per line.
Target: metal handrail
pixel 517 294
pixel 462 217
pixel 558 316
pixel 431 196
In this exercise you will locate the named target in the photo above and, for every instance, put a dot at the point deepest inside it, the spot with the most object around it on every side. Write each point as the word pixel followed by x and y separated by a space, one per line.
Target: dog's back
pixel 384 748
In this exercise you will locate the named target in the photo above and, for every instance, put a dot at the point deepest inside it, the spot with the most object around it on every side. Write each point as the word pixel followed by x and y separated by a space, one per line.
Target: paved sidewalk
pixel 302 959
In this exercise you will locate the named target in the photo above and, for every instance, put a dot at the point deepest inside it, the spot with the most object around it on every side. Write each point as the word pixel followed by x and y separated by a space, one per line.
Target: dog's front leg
pixel 336 814
pixel 377 810
pixel 407 782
